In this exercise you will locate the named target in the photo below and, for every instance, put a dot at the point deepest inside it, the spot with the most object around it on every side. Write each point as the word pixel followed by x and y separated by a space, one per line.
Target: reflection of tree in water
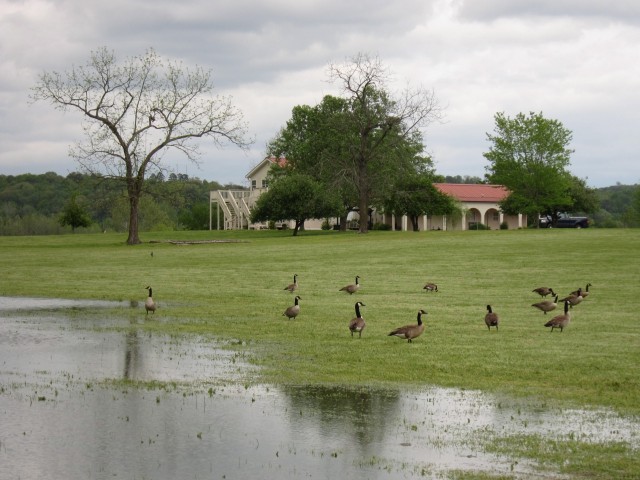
pixel 132 357
pixel 356 417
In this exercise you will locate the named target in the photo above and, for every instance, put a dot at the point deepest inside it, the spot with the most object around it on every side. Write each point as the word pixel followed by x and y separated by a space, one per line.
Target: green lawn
pixel 234 291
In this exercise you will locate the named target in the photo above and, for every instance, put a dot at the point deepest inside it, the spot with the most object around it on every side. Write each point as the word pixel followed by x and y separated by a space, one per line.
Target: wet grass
pixel 568 456
pixel 234 292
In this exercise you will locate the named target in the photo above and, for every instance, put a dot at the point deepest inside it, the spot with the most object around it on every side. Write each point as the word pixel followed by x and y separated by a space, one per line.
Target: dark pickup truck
pixel 564 222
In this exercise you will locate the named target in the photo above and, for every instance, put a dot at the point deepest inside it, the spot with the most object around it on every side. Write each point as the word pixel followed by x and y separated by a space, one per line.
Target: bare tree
pixel 378 120
pixel 135 112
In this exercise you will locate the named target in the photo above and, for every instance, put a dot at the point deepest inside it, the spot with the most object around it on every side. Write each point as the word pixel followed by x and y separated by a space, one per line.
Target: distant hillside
pixel 618 205
pixel 32 204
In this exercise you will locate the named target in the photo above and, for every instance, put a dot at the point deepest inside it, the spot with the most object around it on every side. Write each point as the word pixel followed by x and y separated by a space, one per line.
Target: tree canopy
pixel 296 196
pixel 360 144
pixel 135 112
pixel 530 154
pixel 378 123
pixel 416 195
pixel 75 215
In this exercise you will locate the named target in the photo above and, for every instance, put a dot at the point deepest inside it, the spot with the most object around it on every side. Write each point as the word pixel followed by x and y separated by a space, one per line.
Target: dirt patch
pixel 197 242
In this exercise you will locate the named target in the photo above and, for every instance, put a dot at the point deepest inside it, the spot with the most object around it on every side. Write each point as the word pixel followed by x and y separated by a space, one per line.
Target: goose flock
pixel 562 320
pixel 409 332
pixel 491 318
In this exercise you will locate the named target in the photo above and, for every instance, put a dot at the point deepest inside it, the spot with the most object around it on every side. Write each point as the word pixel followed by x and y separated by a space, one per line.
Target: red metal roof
pixel 281 161
pixel 468 192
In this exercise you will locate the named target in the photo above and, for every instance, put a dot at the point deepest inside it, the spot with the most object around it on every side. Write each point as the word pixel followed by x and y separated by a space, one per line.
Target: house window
pixel 496 216
pixel 253 183
pixel 265 184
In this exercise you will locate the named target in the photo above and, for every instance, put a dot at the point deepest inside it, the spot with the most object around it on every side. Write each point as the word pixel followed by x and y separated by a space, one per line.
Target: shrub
pixel 381 226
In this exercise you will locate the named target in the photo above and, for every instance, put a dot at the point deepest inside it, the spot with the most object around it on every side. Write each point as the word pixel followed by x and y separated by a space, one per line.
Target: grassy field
pixel 235 291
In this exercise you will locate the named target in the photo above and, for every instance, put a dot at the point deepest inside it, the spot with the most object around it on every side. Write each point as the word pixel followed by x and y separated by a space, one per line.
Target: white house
pixel 234 206
pixel 479 204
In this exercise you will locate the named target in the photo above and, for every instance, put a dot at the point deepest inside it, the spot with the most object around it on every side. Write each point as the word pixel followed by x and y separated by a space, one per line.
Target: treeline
pixel 34 204
pixel 619 206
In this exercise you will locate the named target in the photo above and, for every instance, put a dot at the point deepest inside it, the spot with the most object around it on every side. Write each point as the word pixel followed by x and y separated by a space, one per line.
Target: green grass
pixel 570 457
pixel 234 291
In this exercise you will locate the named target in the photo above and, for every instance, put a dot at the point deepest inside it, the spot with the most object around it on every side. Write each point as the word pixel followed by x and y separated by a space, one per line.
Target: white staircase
pixel 235 211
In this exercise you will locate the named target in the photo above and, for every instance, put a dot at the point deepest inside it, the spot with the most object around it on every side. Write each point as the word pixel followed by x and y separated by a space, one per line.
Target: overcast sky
pixel 576 61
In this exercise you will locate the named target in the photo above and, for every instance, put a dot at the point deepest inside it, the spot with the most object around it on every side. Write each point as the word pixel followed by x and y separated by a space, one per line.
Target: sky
pixel 575 61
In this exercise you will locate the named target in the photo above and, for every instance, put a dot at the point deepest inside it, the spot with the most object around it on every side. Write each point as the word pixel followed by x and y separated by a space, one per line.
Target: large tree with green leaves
pixel 137 111
pixel 74 214
pixel 377 122
pixel 313 141
pixel 295 197
pixel 530 155
pixel 415 195
pixel 358 144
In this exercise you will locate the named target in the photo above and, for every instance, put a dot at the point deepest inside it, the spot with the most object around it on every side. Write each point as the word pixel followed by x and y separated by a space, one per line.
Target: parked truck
pixel 563 221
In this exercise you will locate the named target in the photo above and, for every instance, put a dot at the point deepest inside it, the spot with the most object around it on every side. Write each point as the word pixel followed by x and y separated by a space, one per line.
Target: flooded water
pixel 80 399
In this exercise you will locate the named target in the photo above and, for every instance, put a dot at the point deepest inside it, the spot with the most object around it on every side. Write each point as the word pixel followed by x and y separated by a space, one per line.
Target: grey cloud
pixel 488 10
pixel 573 60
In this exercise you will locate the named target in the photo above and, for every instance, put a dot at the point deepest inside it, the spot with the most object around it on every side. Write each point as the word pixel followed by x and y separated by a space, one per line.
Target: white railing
pixel 234 207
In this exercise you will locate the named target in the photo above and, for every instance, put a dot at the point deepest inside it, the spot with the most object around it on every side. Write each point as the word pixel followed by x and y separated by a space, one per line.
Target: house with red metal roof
pixel 481 204
pixel 477 204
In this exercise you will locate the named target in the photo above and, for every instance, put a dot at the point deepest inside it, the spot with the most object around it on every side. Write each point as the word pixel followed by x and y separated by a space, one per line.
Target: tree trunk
pixel 297 227
pixel 133 239
pixel 343 222
pixel 364 213
pixel 364 196
pixel 414 222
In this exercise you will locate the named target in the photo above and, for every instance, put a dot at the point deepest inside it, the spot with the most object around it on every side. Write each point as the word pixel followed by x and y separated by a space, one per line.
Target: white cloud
pixel 573 60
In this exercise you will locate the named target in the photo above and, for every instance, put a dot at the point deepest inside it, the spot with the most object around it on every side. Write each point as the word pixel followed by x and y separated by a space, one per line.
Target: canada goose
pixel 357 324
pixel 543 291
pixel 292 287
pixel 560 321
pixel 546 305
pixel 353 288
pixel 410 331
pixel 574 299
pixel 293 310
pixel 430 287
pixel 491 318
pixel 585 292
pixel 149 304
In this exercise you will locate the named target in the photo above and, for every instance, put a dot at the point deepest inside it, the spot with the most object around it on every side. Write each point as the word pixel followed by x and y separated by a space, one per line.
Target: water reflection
pixel 132 361
pixel 35 303
pixel 60 420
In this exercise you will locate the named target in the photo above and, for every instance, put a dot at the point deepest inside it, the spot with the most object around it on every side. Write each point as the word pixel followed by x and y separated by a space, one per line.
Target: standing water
pixel 93 396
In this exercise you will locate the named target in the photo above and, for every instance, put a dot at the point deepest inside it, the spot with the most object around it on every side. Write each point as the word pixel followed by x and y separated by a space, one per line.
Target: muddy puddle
pixel 80 399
